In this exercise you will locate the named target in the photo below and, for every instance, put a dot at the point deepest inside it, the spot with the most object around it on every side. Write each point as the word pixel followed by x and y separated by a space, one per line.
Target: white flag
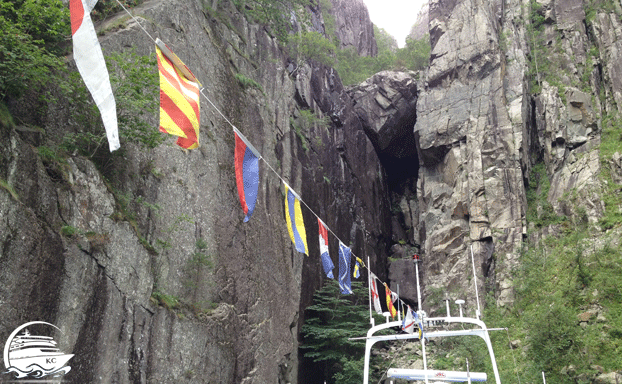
pixel 374 293
pixel 408 325
pixel 89 59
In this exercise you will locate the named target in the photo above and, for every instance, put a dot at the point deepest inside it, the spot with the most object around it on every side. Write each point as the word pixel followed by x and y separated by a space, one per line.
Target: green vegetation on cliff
pixel 31 36
pixel 354 69
pixel 566 320
pixel 275 14
pixel 312 46
pixel 306 45
pixel 566 317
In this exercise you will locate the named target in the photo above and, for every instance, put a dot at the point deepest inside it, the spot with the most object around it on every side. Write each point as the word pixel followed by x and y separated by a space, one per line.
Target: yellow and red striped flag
pixel 390 300
pixel 179 98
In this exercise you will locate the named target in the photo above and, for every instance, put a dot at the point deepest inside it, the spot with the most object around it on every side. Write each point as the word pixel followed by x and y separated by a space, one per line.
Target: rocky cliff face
pixel 150 273
pixel 420 27
pixel 353 27
pixel 472 143
pixel 510 84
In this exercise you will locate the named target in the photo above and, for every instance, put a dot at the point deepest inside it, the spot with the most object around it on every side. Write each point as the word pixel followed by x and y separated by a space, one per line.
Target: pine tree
pixel 329 323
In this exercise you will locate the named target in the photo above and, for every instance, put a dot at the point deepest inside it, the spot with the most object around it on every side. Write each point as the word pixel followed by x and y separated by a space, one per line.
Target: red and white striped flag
pixel 89 59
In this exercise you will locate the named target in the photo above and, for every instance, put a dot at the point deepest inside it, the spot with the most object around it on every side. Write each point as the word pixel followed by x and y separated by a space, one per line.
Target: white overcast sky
pixel 395 16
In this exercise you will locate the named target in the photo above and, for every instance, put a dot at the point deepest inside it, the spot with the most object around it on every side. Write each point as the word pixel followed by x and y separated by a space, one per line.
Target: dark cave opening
pixel 400 162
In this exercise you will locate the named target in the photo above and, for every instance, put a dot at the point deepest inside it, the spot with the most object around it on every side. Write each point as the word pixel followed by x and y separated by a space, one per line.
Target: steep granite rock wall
pixel 349 29
pixel 471 139
pixel 510 84
pixel 149 272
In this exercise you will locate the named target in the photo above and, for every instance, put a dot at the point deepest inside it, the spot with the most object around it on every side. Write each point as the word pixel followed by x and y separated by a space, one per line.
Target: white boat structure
pixel 427 375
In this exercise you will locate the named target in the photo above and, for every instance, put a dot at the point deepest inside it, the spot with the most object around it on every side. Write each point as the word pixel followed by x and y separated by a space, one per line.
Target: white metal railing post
pixel 418 288
pixel 478 313
pixel 399 304
pixel 371 317
pixel 420 313
pixel 460 302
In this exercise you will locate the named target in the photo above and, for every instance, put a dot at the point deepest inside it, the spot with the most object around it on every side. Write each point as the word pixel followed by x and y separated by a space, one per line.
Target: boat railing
pixel 482 332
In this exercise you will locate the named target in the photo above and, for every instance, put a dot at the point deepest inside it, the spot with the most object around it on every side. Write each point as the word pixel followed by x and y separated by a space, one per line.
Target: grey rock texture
pixel 420 27
pixel 353 27
pixel 608 29
pixel 608 378
pixel 569 119
pixel 149 272
pixel 482 125
pixel 386 105
pixel 478 132
pixel 470 139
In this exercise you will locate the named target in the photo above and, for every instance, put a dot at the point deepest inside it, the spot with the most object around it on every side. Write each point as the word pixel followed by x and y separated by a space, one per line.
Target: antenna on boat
pixel 371 317
pixel 460 302
pixel 399 305
pixel 424 374
pixel 416 261
pixel 478 313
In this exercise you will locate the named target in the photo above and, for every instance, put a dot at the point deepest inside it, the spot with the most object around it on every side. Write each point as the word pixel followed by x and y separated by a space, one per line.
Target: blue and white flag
pixel 344 269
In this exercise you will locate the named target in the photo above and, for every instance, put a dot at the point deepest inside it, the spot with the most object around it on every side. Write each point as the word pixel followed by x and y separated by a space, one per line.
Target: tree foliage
pixel 136 89
pixel 354 69
pixel 330 322
pixel 567 312
pixel 105 8
pixel 415 55
pixel 312 46
pixel 278 15
pixel 384 40
pixel 31 33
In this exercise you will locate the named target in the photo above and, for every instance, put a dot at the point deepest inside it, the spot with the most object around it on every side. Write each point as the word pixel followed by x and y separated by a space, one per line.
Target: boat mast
pixel 420 314
pixel 478 313
pixel 371 317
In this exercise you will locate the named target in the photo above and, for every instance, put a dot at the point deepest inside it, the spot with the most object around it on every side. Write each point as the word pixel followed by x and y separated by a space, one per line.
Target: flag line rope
pixel 136 20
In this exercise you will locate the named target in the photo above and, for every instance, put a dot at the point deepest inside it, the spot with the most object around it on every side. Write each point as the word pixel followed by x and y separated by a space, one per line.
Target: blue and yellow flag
pixel 295 224
pixel 357 268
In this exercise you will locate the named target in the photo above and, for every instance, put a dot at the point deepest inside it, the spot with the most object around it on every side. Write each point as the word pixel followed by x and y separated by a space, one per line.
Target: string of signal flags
pixel 180 92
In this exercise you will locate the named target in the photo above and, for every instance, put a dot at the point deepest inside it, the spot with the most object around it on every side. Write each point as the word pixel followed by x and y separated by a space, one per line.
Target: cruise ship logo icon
pixel 33 356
